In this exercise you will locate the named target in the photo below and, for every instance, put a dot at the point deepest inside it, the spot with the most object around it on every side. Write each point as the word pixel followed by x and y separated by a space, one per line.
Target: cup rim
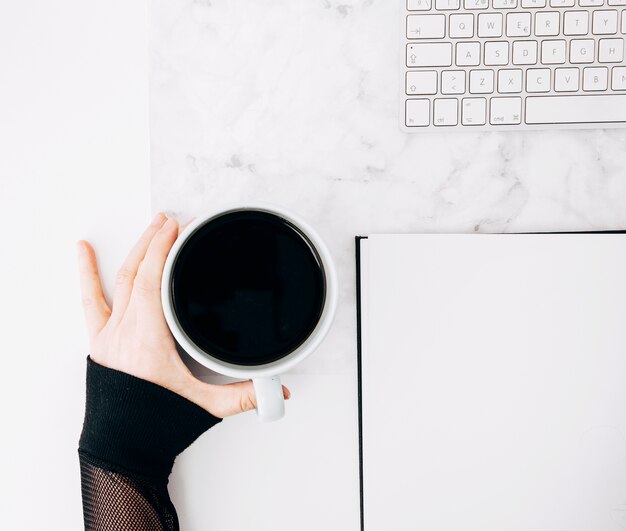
pixel 304 349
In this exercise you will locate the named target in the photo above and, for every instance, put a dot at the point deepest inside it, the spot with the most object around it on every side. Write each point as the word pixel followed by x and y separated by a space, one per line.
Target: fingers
pixel 230 399
pixel 127 273
pixel 96 309
pixel 147 286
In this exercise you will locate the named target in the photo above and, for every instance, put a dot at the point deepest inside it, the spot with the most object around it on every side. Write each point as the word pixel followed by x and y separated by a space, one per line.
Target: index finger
pixel 147 286
pixel 127 273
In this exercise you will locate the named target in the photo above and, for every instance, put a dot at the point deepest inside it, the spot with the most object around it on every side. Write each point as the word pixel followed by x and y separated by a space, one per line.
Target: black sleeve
pixel 132 432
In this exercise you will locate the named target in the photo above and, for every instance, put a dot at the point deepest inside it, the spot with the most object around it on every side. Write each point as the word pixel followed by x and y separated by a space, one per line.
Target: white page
pixel 494 382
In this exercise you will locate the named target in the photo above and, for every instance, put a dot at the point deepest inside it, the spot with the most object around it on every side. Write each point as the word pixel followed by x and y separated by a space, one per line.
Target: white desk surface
pixel 293 102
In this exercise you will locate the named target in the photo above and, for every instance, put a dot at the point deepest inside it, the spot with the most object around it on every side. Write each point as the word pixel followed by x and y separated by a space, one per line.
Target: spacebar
pixel 576 109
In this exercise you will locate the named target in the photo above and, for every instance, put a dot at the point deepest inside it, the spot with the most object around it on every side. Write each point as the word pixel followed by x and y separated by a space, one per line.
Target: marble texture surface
pixel 297 103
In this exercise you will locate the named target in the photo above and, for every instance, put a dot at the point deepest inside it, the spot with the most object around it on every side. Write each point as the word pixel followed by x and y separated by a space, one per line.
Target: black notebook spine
pixel 358 240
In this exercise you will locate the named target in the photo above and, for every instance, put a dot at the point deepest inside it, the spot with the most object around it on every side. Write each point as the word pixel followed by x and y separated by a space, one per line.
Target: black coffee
pixel 248 287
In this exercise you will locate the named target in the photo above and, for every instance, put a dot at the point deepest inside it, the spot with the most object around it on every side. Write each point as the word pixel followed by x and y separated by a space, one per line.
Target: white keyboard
pixel 513 64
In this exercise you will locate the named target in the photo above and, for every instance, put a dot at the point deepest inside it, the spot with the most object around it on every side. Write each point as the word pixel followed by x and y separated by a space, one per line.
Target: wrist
pixel 136 425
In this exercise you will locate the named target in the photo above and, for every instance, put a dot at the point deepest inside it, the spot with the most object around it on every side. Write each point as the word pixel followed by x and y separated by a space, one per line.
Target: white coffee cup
pixel 266 380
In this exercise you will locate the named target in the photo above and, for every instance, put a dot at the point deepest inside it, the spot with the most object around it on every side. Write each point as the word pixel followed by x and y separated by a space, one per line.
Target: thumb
pixel 231 399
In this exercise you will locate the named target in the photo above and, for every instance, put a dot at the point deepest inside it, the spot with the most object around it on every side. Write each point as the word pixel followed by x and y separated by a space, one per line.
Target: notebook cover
pixel 358 240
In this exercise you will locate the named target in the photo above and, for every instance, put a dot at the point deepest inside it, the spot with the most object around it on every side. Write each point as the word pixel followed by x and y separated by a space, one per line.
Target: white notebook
pixel 493 382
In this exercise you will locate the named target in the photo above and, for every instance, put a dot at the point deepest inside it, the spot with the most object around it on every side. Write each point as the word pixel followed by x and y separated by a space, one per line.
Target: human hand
pixel 132 336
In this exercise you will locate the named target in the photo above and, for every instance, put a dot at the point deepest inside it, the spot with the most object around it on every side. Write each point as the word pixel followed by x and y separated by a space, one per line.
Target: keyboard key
pixel 566 79
pixel 524 52
pixel 447 5
pixel 618 78
pixel 576 109
pixel 590 3
pixel 505 111
pixel 504 4
pixel 553 52
pixel 518 24
pixel 509 81
pixel 481 81
pixel 490 25
pixel 496 53
pixel 562 3
pixel 425 26
pixel 533 3
pixel 421 82
pixel 468 54
pixel 604 22
pixel 417 113
pixel 474 111
pixel 576 23
pixel 429 54
pixel 453 82
pixel 547 23
pixel 462 26
pixel 581 51
pixel 418 5
pixel 476 4
pixel 446 112
pixel 595 78
pixel 611 51
pixel 617 2
pixel 624 21
pixel 538 80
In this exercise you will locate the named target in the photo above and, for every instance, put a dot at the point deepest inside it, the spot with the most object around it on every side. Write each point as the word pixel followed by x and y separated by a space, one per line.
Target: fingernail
pixel 80 246
pixel 158 219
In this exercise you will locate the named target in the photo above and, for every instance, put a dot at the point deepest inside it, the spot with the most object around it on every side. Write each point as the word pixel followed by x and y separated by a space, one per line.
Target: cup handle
pixel 270 404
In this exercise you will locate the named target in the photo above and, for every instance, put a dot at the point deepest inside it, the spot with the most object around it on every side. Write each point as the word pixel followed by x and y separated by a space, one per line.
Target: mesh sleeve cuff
pixel 137 426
